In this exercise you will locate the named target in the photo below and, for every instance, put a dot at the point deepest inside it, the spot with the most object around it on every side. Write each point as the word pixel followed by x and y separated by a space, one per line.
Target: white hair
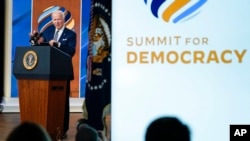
pixel 58 12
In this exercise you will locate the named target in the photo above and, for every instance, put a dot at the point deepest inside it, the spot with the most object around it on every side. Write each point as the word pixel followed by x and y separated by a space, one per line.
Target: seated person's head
pixel 167 129
pixel 28 131
pixel 86 133
pixel 106 116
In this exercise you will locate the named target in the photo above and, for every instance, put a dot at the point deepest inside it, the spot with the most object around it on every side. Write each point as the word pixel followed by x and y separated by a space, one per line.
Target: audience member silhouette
pixel 86 133
pixel 28 131
pixel 167 129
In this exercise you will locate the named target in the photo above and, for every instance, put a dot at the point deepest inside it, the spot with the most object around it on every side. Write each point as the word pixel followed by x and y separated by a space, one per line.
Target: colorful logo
pixel 45 20
pixel 176 11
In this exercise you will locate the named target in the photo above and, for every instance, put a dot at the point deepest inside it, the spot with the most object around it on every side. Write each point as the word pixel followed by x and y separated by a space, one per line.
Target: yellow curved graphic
pixel 175 6
pixel 70 24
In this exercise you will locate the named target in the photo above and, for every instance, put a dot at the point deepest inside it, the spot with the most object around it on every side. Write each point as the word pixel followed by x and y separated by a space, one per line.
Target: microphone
pixel 34 38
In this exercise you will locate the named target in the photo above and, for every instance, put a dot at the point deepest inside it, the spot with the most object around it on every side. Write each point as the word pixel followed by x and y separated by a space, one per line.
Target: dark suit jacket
pixel 67 39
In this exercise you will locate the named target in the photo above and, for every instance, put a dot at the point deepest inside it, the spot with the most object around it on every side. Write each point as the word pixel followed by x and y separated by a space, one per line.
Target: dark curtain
pixel 2 11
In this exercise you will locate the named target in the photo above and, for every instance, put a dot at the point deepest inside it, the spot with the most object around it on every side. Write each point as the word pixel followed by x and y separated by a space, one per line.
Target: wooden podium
pixel 42 73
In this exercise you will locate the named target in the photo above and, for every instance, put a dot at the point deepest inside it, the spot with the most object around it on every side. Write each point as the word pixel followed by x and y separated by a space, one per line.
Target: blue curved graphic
pixel 189 10
pixel 47 12
pixel 156 4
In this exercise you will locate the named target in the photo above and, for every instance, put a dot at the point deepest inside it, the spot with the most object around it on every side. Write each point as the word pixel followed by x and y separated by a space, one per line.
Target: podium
pixel 42 73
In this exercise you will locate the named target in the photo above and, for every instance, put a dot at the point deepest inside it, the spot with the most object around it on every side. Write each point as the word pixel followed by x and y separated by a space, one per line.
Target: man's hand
pixel 53 43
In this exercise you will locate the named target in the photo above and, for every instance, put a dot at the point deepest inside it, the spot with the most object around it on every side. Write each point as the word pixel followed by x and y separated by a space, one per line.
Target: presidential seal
pixel 30 60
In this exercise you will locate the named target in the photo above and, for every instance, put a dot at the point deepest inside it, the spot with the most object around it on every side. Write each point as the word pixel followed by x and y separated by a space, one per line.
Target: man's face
pixel 57 20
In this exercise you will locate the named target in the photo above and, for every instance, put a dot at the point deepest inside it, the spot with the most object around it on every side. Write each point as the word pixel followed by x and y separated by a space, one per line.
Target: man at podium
pixel 64 39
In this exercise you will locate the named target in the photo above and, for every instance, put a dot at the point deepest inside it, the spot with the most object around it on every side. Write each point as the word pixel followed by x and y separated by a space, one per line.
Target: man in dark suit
pixel 64 39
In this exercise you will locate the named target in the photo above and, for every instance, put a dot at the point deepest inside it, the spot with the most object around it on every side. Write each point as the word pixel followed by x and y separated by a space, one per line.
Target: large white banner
pixel 183 58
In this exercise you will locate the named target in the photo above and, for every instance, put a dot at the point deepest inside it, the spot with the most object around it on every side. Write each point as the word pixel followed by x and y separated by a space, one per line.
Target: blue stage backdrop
pixel 21 25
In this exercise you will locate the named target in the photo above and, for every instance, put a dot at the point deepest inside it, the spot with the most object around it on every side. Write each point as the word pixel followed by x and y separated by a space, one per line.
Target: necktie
pixel 56 35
